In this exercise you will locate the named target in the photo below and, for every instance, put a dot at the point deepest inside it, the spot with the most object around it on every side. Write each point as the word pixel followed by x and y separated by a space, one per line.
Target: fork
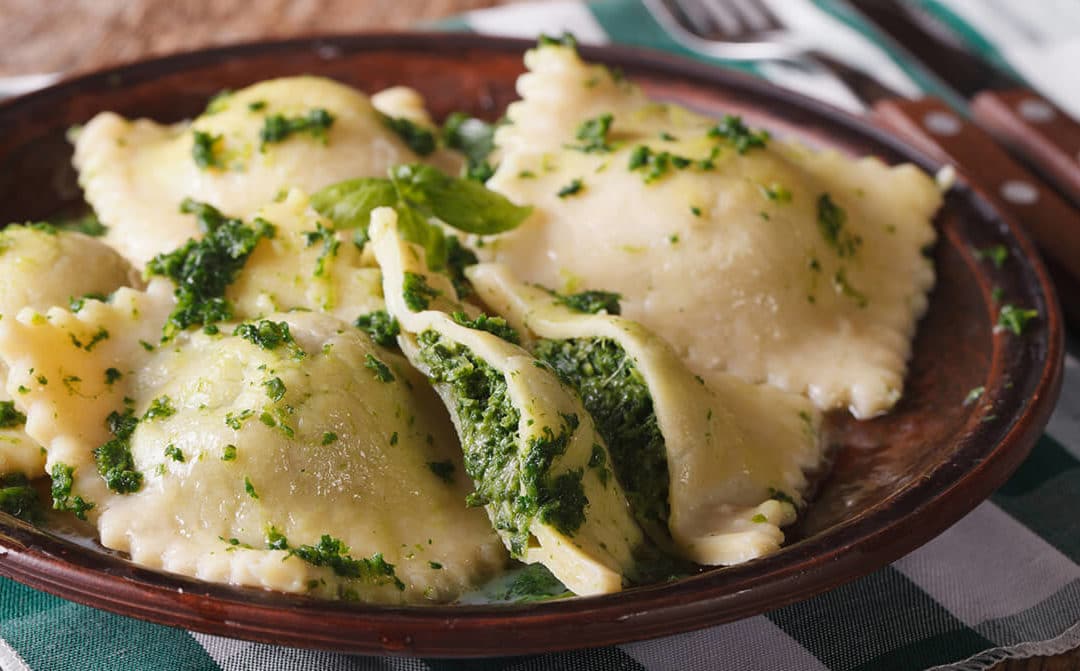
pixel 746 30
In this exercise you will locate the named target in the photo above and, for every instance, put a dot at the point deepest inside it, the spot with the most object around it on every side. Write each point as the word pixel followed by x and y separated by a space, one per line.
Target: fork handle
pixel 932 126
pixel 1035 129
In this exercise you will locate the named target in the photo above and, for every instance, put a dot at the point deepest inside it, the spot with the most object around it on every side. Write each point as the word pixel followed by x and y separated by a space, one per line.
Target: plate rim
pixel 532 628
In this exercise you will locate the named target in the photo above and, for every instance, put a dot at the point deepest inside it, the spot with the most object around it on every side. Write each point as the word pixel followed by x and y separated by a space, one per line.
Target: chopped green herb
pixel 160 407
pixel 1015 319
pixel 416 292
pixel 590 302
pixel 112 375
pixel 330 245
pixel 444 470
pixel 475 139
pixel 275 389
pixel 574 187
pixel 175 453
pixel 667 137
pixel 9 416
pixel 565 40
pixel 228 453
pixel 203 269
pixel 269 336
pixel 421 140
pixel 593 134
pixel 832 220
pixel 435 565
pixel 393 439
pixel 87 224
pixel 98 336
pixel 776 193
pixel 459 257
pixel 19 498
pixel 841 283
pixel 62 482
pixel 378 368
pixel 533 582
pixel 257 105
pixel 235 421
pixel 656 164
pixel 494 325
pixel 380 327
pixel 696 211
pixel 202 150
pixel 329 438
pixel 997 255
pixel 759 519
pixel 334 554
pixel 114 460
pixel 742 138
pixel 250 488
pixel 77 304
pixel 278 128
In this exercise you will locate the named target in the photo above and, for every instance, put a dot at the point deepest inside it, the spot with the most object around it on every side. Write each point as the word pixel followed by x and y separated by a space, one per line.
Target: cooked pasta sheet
pixel 697 461
pixel 41 267
pixel 289 453
pixel 303 132
pixel 750 255
pixel 530 446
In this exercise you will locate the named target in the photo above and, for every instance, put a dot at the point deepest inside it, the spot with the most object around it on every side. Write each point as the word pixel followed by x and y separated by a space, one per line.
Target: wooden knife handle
pixel 1037 131
pixel 933 127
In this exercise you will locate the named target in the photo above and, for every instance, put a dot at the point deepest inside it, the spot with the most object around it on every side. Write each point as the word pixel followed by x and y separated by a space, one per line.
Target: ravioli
pixel 136 173
pixel 751 255
pixel 735 454
pixel 529 444
pixel 305 265
pixel 292 455
pixel 41 267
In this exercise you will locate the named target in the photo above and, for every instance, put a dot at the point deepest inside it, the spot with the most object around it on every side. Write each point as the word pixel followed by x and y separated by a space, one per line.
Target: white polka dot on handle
pixel 1035 110
pixel 1019 193
pixel 941 123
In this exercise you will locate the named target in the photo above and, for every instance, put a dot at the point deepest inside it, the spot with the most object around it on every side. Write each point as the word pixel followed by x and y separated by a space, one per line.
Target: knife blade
pixel 1022 120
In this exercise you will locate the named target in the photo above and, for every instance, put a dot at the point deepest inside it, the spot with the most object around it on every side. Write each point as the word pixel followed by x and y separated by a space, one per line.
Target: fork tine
pixel 727 21
pixel 692 15
pixel 756 15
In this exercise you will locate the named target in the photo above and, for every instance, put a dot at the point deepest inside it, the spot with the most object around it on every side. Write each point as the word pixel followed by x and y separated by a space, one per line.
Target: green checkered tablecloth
pixel 1003 582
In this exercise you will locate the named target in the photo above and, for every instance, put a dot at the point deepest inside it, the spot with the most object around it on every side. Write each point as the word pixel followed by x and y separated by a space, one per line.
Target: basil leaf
pixel 461 203
pixel 349 204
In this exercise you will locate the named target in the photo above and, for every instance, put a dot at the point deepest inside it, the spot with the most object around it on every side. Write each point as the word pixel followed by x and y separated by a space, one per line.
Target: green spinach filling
pixel 512 479
pixel 18 498
pixel 616 396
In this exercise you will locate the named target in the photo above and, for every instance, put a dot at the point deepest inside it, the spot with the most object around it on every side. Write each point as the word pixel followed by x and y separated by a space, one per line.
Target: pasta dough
pixel 41 267
pixel 534 457
pixel 751 256
pixel 306 265
pixel 284 464
pixel 136 173
pixel 736 453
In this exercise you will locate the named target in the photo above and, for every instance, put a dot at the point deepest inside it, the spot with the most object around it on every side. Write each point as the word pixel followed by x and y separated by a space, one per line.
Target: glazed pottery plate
pixel 896 481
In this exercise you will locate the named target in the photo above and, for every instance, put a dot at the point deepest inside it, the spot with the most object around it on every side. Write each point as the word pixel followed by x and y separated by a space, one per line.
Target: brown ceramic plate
pixel 897 481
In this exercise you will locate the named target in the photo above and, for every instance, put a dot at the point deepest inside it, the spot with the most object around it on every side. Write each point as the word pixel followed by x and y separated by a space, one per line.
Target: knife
pixel 1032 127
pixel 947 135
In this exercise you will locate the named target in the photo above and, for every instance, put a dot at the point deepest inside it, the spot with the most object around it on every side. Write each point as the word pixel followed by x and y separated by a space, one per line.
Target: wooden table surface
pixel 73 35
